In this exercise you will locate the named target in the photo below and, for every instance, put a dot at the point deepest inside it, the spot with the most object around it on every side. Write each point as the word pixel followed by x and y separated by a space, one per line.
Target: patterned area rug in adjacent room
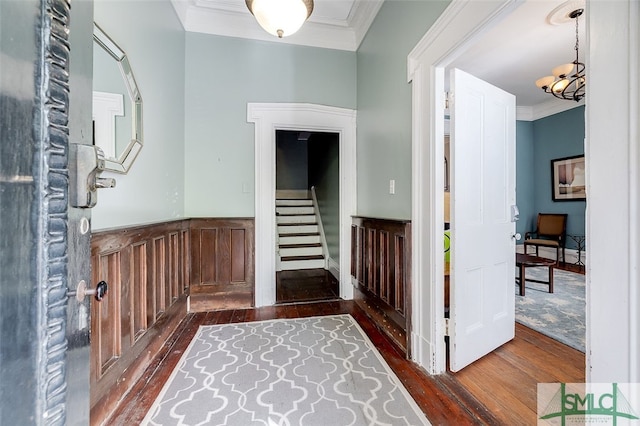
pixel 305 371
pixel 559 315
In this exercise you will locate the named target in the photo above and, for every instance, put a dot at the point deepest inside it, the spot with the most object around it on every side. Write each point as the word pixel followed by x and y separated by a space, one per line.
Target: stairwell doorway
pixel 269 118
pixel 307 215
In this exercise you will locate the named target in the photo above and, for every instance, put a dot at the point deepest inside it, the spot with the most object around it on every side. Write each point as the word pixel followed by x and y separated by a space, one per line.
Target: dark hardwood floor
pixel 499 389
pixel 305 285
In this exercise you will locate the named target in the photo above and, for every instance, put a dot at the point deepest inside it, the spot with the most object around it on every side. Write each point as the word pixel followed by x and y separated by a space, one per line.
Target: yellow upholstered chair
pixel 551 231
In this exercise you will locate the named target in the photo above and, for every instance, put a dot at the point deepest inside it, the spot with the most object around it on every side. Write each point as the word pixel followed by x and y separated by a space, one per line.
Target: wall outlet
pixel 392 186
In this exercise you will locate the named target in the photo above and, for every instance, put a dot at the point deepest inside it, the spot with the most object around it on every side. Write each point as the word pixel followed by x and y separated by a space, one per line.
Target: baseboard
pixel 334 268
pixel 422 353
pixel 550 253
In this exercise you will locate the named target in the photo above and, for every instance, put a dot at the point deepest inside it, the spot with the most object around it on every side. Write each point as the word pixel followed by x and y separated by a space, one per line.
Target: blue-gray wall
pixel 525 181
pixel 223 74
pixel 384 106
pixel 557 136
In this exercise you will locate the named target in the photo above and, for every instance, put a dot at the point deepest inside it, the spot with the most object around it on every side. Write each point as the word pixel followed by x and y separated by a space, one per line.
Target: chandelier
pixel 568 80
pixel 280 17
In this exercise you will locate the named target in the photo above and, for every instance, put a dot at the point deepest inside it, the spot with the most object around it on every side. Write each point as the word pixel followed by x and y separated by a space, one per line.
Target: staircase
pixel 299 239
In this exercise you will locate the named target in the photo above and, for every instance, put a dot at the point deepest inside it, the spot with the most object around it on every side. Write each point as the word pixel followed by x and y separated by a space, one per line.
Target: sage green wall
pixel 384 106
pixel 223 74
pixel 153 38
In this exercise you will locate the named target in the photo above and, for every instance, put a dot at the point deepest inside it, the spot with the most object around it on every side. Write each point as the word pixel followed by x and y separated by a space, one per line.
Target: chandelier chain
pixel 577 41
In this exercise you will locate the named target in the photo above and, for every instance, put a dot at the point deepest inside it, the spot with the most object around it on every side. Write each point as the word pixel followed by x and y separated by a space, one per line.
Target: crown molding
pixel 231 19
pixel 545 109
pixel 362 16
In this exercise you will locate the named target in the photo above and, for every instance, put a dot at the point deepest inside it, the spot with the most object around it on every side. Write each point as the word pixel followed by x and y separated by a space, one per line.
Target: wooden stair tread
pixel 290 258
pixel 301 234
pixel 302 245
pixel 298 224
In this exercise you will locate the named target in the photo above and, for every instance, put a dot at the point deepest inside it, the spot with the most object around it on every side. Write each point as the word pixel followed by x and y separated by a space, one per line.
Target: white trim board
pixel 269 117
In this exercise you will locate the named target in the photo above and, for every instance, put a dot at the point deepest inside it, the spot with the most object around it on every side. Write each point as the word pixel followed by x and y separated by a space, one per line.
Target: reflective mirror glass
pixel 117 104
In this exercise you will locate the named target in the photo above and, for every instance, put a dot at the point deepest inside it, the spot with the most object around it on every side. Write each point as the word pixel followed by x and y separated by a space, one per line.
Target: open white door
pixel 482 246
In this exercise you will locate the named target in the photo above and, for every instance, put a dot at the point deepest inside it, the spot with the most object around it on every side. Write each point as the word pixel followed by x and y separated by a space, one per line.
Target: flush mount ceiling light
pixel 280 17
pixel 568 80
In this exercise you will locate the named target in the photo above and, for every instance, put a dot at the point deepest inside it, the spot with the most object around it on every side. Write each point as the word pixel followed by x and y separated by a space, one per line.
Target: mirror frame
pixel 123 163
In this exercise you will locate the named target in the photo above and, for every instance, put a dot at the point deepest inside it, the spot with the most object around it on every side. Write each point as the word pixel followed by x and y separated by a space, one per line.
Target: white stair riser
pixel 295 210
pixel 302 264
pixel 296 219
pixel 301 251
pixel 294 203
pixel 302 229
pixel 312 239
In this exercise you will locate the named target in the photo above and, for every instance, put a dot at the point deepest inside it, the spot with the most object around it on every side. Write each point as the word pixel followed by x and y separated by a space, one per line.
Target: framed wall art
pixel 568 179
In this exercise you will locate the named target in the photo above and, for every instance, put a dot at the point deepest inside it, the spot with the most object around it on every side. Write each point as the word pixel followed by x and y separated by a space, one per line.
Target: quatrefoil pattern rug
pixel 320 371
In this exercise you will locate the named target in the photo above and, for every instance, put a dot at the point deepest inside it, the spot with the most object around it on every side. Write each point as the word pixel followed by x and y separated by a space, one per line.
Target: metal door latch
pixel 86 162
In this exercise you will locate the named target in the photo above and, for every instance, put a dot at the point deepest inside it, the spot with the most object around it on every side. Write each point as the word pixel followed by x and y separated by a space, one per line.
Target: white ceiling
pixel 525 47
pixel 334 24
pixel 512 55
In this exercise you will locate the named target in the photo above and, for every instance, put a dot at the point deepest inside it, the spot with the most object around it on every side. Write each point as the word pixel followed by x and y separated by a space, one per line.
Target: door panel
pixel 483 189
pixel 43 337
pixel 78 229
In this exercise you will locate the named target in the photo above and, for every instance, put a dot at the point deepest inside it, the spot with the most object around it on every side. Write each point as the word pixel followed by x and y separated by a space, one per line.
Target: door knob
pixel 516 236
pixel 81 291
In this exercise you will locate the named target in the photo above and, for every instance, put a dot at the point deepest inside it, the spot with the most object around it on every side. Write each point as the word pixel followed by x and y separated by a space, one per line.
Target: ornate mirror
pixel 117 104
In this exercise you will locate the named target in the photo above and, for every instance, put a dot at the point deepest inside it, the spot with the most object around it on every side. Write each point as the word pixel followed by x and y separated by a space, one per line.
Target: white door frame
pixel 269 117
pixel 446 40
pixel 613 345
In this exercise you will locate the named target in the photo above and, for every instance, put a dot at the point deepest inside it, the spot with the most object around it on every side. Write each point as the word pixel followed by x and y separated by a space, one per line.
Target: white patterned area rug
pixel 320 371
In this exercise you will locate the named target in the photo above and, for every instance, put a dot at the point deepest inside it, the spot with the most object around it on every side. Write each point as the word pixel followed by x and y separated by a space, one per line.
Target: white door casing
pixel 269 117
pixel 482 306
pixel 448 38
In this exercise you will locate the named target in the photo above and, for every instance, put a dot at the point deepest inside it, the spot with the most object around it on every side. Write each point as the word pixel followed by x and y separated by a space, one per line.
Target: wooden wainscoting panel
pixel 354 251
pixel 107 314
pixel 139 281
pixel 384 272
pixel 158 274
pixel 381 257
pixel 222 264
pixel 238 250
pixel 151 270
pixel 208 261
pixel 146 300
pixel 400 276
pixel 185 264
pixel 174 266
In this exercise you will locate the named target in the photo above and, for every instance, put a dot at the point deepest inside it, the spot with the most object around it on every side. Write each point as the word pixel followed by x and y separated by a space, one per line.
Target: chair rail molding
pixel 269 117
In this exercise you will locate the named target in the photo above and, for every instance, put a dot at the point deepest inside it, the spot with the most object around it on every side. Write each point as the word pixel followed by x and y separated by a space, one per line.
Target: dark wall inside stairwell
pixel 291 161
pixel 324 175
